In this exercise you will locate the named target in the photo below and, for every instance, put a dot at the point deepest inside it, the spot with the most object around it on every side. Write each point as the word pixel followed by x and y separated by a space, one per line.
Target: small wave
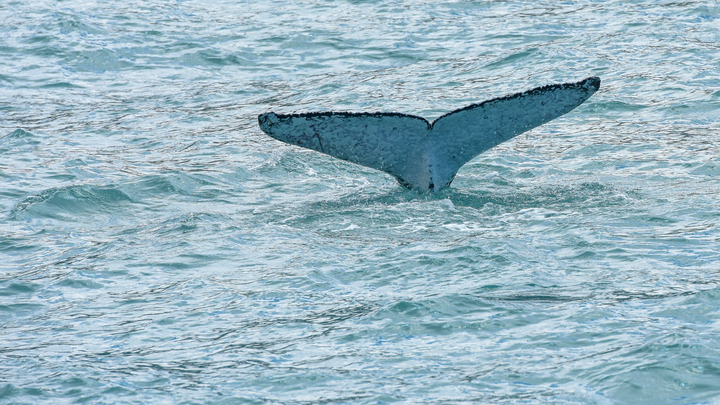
pixel 98 61
pixel 18 289
pixel 78 199
pixel 212 57
pixel 60 85
pixel 189 222
pixel 17 139
pixel 617 106
pixel 70 23
pixel 175 184
pixel 19 134
pixel 79 283
pixel 512 58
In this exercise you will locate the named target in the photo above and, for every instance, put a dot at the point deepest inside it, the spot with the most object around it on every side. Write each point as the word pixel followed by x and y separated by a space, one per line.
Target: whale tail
pixel 420 154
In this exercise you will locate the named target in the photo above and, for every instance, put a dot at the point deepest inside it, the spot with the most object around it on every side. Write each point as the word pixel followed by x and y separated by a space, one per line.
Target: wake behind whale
pixel 420 154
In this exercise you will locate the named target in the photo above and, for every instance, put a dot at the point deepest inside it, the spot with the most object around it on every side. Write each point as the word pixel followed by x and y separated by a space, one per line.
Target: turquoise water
pixel 157 247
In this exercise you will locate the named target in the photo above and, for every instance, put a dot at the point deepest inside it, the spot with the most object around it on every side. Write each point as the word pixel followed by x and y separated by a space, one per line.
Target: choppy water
pixel 156 247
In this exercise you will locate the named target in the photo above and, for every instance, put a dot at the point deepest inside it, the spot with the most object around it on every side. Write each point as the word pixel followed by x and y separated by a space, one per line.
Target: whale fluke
pixel 420 154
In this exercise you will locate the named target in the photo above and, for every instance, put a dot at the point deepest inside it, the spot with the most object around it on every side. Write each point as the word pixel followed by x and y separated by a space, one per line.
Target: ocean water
pixel 157 248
